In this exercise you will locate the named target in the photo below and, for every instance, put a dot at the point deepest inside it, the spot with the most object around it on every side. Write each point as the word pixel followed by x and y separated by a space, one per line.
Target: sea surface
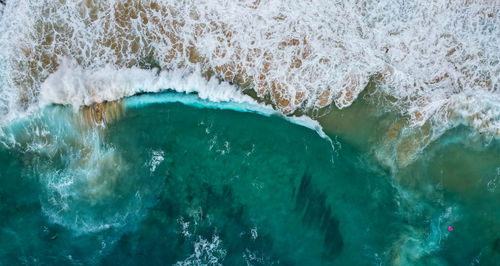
pixel 172 181
pixel 266 132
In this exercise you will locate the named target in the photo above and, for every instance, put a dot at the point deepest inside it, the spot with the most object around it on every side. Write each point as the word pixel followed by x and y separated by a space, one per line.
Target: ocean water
pixel 242 132
pixel 435 61
pixel 173 179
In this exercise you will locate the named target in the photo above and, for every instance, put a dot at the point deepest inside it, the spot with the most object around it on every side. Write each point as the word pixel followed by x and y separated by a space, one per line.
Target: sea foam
pixel 434 60
pixel 73 85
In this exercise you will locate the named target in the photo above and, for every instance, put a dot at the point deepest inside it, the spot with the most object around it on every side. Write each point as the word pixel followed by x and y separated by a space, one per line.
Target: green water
pixel 171 183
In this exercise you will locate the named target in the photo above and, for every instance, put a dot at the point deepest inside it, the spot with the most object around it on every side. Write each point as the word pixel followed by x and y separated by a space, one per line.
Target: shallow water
pixel 168 132
pixel 170 183
pixel 438 61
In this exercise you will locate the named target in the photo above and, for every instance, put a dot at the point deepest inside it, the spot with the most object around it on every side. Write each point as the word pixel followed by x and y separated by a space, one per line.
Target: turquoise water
pixel 171 183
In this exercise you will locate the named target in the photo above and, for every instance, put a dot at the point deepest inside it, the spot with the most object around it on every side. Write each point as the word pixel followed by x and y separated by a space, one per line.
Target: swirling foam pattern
pixel 434 60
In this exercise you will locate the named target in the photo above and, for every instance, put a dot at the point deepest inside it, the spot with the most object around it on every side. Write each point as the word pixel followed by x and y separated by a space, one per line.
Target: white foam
pixel 206 252
pixel 74 195
pixel 73 85
pixel 436 59
pixel 156 160
pixel 79 174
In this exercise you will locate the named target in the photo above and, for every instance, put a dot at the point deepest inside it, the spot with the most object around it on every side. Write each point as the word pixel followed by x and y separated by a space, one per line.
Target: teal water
pixel 171 183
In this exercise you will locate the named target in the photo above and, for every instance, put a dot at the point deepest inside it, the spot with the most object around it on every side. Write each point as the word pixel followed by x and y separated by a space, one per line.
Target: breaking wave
pixel 436 61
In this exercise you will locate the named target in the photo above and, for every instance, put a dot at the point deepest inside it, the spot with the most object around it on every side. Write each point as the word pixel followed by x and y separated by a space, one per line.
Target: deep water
pixel 169 183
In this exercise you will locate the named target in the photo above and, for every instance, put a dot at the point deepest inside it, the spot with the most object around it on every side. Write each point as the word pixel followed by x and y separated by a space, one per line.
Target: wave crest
pixel 436 59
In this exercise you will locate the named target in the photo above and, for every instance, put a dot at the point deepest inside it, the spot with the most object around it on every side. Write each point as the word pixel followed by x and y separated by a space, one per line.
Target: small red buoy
pixel 450 228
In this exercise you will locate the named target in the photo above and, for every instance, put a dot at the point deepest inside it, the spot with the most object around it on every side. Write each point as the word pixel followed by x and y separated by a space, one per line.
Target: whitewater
pixel 434 62
pixel 158 132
